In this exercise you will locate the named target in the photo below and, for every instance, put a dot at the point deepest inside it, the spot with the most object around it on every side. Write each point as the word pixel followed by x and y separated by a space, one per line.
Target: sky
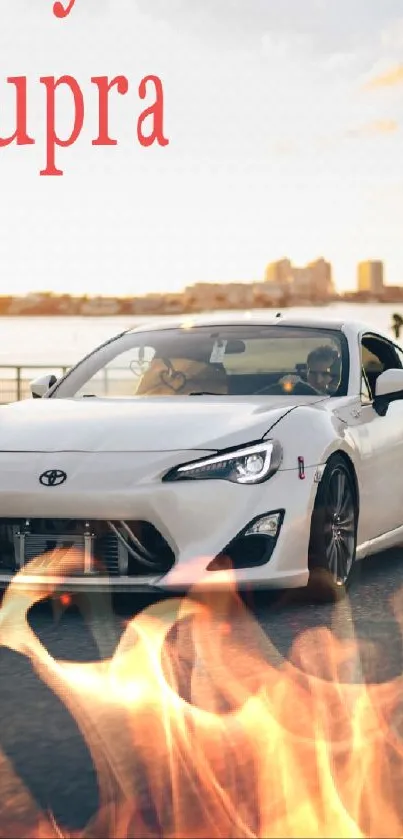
pixel 285 128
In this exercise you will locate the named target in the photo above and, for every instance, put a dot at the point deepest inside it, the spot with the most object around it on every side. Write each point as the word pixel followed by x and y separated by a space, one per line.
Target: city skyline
pixel 326 278
pixel 282 280
pixel 289 139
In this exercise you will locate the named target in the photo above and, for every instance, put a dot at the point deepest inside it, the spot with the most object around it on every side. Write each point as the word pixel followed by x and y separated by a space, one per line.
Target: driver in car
pixel 321 373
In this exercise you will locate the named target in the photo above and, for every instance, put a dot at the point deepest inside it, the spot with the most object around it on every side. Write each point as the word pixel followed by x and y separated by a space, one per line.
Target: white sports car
pixel 177 450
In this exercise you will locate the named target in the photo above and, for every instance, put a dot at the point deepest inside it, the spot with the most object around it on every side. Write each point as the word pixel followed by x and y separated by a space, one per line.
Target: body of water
pixel 62 341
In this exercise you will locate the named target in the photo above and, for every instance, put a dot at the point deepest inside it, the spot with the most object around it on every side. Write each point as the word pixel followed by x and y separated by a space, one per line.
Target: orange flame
pixel 198 728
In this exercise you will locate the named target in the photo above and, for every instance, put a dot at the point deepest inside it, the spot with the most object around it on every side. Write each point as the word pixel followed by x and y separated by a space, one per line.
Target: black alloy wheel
pixel 333 538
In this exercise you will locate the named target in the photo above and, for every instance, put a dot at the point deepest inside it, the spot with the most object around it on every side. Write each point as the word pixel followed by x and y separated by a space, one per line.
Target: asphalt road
pixel 41 740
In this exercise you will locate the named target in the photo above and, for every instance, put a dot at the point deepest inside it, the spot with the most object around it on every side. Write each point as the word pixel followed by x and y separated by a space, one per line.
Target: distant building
pixel 205 296
pixel 321 279
pixel 313 281
pixel 279 273
pixel 269 294
pixel 370 276
pixel 150 304
pixel 301 282
pixel 99 306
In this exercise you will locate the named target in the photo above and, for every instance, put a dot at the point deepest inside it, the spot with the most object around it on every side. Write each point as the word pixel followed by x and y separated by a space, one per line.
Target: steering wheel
pixel 304 389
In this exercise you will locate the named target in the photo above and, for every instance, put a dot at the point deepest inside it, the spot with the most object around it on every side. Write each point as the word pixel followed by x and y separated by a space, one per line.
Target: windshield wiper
pixel 203 393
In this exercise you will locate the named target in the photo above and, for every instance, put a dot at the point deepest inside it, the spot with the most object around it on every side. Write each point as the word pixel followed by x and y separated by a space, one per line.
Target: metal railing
pixel 15 379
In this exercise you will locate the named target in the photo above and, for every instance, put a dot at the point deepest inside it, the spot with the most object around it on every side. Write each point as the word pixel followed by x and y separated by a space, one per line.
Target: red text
pixel 154 114
pixel 60 11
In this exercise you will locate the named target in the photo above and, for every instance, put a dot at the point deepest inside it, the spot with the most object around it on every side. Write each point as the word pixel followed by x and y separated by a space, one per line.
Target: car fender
pixel 313 433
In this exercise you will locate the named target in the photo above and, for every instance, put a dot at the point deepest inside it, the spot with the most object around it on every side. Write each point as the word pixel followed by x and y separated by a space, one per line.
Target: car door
pixel 380 439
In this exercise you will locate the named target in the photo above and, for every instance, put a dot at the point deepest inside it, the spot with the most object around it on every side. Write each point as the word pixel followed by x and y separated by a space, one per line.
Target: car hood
pixel 142 424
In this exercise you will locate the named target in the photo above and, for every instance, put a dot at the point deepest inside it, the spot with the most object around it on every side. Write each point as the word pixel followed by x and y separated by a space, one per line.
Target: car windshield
pixel 237 360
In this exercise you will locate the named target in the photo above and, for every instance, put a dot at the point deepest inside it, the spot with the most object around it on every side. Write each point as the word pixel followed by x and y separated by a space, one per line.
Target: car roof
pixel 237 319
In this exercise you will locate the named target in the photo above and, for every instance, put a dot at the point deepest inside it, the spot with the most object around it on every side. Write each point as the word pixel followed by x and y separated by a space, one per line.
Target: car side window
pixel 377 355
pixel 365 393
pixel 399 354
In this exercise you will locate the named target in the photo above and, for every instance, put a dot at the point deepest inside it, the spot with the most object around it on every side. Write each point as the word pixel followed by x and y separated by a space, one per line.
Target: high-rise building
pixel 312 281
pixel 370 276
pixel 321 278
pixel 279 272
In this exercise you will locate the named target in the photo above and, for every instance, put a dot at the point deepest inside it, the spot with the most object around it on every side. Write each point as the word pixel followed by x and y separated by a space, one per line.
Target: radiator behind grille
pixel 22 540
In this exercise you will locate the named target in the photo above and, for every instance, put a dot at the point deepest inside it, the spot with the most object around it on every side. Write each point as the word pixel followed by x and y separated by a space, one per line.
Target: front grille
pixel 113 548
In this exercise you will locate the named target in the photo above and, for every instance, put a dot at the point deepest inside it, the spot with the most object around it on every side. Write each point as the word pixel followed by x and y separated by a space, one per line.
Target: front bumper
pixel 197 519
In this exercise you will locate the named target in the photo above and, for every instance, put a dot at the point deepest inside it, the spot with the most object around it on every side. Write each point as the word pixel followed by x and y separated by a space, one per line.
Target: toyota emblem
pixel 52 478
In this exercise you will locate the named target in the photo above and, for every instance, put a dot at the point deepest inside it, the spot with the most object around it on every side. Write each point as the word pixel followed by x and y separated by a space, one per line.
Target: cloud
pixel 373 129
pixel 284 148
pixel 329 25
pixel 390 78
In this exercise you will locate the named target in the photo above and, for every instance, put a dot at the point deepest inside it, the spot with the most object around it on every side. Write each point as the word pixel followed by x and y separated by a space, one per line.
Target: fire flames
pixel 198 728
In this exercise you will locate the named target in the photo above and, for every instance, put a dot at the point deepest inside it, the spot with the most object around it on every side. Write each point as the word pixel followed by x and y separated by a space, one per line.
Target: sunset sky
pixel 285 121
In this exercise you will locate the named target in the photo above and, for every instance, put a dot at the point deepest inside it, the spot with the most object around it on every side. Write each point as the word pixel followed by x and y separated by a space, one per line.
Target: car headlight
pixel 247 465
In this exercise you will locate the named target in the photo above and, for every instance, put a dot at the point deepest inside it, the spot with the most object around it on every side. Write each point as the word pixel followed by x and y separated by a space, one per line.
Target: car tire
pixel 333 536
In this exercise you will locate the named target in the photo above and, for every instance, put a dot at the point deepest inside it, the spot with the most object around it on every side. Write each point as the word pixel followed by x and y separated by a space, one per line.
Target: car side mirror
pixel 41 385
pixel 388 388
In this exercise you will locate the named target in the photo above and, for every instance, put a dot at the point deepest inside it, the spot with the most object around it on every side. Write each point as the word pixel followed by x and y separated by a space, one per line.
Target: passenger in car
pixel 182 376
